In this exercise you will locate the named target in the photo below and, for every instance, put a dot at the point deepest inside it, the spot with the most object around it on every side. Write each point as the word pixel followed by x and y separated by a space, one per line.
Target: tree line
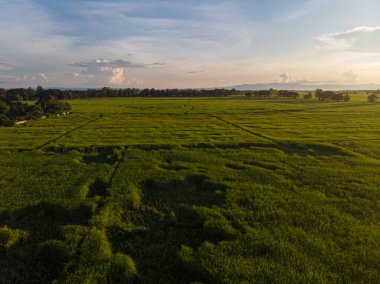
pixel 332 96
pixel 272 93
pixel 30 94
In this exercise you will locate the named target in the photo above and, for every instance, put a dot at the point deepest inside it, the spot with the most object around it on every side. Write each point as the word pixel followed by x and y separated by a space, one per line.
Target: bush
pixel 5 121
pixel 308 96
pixel 35 112
pixel 373 98
pixel 4 108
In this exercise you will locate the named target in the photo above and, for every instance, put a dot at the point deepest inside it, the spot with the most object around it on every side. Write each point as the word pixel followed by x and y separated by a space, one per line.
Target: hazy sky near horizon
pixel 189 43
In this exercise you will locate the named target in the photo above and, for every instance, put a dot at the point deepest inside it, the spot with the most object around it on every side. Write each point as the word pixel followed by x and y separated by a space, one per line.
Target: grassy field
pixel 193 190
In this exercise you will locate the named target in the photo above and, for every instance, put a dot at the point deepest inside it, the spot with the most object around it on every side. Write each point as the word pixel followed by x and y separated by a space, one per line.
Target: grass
pixel 193 190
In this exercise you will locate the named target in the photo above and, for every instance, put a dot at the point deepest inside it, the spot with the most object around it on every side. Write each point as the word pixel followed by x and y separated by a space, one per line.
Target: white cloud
pixel 43 77
pixel 134 82
pixel 103 63
pixel 111 72
pixel 285 78
pixel 117 77
pixel 27 29
pixel 350 77
pixel 24 80
pixel 360 39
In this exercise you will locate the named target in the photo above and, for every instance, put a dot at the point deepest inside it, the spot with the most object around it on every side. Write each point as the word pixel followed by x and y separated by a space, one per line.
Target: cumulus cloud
pixel 285 78
pixel 117 77
pixel 112 71
pixel 350 77
pixel 359 39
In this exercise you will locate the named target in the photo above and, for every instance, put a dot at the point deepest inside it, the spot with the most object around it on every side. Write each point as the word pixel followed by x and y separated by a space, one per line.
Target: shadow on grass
pixel 19 260
pixel 172 215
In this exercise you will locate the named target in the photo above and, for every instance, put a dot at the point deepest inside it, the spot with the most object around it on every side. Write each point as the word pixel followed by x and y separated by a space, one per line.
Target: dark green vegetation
pixel 12 109
pixel 193 190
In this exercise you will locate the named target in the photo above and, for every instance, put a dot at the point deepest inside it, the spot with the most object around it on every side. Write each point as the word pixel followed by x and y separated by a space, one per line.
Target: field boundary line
pixel 189 110
pixel 117 165
pixel 243 129
pixel 68 132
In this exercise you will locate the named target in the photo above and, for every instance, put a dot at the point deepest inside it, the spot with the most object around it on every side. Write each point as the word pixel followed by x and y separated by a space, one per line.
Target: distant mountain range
pixel 305 86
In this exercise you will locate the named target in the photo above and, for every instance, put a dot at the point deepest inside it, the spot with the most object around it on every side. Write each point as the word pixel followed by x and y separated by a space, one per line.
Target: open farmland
pixel 193 190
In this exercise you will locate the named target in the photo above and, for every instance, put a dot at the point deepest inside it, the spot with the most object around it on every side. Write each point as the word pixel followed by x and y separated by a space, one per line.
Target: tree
pixel 373 98
pixel 287 94
pixel 5 121
pixel 308 96
pixel 3 92
pixel 317 93
pixel 35 112
pixel 4 108
pixel 39 89
pixel 51 103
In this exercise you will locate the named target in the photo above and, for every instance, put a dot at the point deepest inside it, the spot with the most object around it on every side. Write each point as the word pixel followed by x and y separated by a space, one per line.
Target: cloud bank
pixel 30 80
pixel 112 72
pixel 103 63
pixel 360 39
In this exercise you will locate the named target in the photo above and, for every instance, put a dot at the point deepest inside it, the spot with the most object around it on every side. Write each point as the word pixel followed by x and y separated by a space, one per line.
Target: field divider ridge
pixel 243 129
pixel 69 132
pixel 189 110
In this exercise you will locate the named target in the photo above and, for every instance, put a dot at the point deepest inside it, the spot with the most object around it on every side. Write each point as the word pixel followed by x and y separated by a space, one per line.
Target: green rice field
pixel 199 190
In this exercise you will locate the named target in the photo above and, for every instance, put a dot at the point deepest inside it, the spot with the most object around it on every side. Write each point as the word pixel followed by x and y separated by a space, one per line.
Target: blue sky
pixel 180 44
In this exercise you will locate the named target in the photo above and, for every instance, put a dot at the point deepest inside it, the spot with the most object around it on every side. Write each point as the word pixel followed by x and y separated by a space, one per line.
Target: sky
pixel 188 43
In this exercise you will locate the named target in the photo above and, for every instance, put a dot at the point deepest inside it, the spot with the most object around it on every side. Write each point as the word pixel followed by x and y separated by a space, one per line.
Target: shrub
pixel 5 121
pixel 4 108
pixel 35 112
pixel 308 96
pixel 373 98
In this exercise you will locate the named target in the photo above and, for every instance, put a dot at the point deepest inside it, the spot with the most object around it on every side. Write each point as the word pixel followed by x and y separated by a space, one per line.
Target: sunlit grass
pixel 193 190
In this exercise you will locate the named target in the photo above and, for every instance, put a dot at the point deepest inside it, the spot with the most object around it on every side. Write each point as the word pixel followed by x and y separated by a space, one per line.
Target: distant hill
pixel 303 86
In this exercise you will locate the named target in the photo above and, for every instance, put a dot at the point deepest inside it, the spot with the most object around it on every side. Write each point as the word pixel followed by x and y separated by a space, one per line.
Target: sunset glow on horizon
pixel 188 44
